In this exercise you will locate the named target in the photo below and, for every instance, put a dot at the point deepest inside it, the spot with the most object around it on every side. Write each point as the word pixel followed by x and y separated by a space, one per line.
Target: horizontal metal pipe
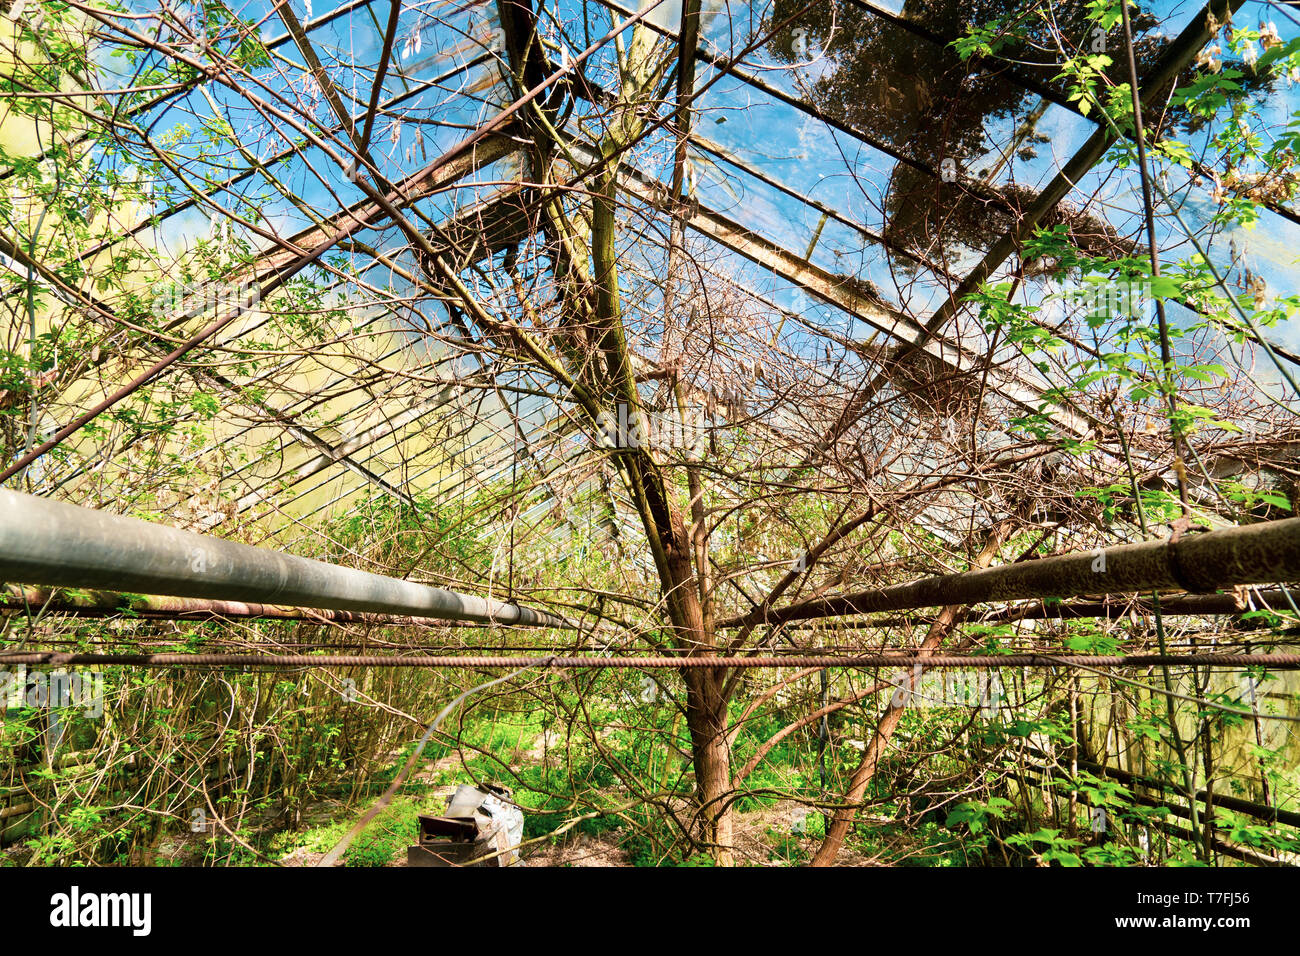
pixel 1188 605
pixel 1250 807
pixel 1264 553
pixel 154 607
pixel 1207 605
pixel 16 810
pixel 1236 851
pixel 61 545
pixel 658 662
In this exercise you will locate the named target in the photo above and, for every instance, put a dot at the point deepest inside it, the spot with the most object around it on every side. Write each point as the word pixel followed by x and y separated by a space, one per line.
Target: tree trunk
pixel 839 827
pixel 706 717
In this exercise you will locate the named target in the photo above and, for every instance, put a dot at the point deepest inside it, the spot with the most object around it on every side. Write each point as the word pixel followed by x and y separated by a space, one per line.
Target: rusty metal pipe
pixel 1268 552
pixel 659 662
pixel 61 545
pixel 157 607
pixel 1177 605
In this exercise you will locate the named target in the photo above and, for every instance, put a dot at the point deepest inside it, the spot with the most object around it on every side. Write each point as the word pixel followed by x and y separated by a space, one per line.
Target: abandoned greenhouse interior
pixel 556 433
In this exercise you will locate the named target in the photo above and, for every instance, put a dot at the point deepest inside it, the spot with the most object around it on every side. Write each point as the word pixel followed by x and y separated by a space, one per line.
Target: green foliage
pixel 1048 845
